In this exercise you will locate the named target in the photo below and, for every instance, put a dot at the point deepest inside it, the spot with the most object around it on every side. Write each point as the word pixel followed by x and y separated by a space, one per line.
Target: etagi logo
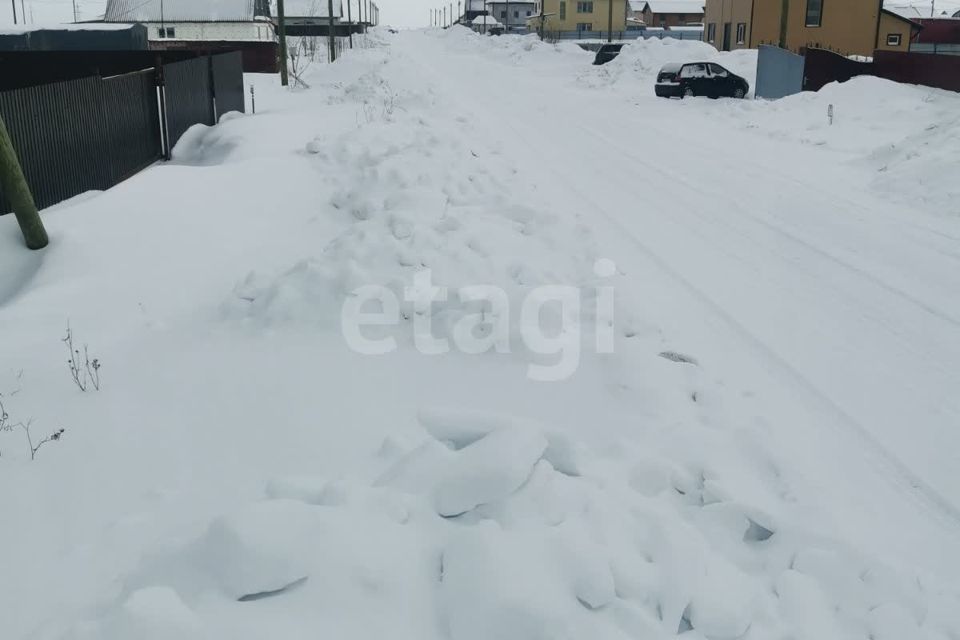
pixel 550 321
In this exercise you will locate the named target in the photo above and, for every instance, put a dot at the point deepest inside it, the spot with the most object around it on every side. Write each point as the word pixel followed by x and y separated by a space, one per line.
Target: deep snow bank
pixel 494 527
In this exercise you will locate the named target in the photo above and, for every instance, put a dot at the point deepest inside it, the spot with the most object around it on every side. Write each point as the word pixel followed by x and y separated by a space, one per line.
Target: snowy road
pixel 849 299
pixel 770 451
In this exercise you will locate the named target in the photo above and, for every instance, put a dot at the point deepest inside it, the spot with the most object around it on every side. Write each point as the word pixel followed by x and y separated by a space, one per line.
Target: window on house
pixel 584 26
pixel 516 14
pixel 529 14
pixel 167 32
pixel 563 10
pixel 814 13
pixel 893 40
pixel 741 32
pixel 711 32
pixel 503 14
pixel 585 7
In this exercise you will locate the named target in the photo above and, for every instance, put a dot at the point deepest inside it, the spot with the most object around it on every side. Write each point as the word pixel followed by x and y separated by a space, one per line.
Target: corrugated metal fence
pixel 632 34
pixel 92 133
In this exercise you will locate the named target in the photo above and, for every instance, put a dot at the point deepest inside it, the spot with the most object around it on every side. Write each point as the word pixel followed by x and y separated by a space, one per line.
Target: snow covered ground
pixel 770 450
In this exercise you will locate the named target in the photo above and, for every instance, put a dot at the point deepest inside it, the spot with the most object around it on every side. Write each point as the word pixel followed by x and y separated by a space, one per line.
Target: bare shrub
pixel 84 371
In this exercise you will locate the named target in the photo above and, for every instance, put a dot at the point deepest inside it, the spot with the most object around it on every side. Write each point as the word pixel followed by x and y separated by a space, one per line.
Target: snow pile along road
pixel 494 527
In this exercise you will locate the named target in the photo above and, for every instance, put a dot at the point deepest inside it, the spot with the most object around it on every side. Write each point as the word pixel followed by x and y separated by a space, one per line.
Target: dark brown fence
pixel 92 133
pixel 823 67
pixel 928 69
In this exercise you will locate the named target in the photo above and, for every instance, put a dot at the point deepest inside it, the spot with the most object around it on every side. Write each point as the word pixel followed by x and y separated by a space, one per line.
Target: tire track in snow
pixel 892 470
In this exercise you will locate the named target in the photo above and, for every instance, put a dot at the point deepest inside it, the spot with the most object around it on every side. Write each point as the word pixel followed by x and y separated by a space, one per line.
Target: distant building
pixel 939 35
pixel 851 27
pixel 668 13
pixel 513 15
pixel 472 9
pixel 579 15
pixel 204 26
pixel 197 20
pixel 312 17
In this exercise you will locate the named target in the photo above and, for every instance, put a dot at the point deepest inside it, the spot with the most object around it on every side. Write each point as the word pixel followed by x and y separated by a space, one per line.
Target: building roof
pixel 309 8
pixel 670 6
pixel 908 11
pixel 940 31
pixel 184 10
pixel 490 21
pixel 913 23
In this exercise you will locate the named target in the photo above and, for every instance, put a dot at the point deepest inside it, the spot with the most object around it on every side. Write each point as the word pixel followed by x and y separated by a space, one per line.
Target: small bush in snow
pixel 85 373
pixel 7 425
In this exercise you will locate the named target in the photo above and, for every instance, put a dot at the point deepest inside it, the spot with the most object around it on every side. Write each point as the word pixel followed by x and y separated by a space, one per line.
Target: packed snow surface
pixel 766 446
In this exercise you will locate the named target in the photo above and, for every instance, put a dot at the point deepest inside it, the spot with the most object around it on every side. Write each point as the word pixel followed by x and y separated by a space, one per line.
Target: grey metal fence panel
pixel 779 73
pixel 228 83
pixel 82 135
pixel 637 34
pixel 189 96
pixel 944 49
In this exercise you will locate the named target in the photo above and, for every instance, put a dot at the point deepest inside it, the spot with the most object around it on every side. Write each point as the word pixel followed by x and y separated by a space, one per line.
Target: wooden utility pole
pixel 14 186
pixel 610 23
pixel 784 19
pixel 282 32
pixel 331 36
pixel 350 22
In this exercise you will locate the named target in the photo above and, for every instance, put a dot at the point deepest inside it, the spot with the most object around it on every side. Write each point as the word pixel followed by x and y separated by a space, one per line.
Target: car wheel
pixel 738 93
pixel 688 92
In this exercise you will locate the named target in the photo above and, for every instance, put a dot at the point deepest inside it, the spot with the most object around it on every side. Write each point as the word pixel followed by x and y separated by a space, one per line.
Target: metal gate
pixel 779 73
pixel 188 92
pixel 228 83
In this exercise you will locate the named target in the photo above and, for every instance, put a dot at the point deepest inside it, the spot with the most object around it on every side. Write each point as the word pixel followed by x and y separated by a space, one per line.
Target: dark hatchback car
pixel 699 79
pixel 607 52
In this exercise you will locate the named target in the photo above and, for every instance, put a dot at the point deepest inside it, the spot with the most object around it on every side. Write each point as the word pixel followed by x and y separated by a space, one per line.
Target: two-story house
pixel 850 27
pixel 668 13
pixel 581 15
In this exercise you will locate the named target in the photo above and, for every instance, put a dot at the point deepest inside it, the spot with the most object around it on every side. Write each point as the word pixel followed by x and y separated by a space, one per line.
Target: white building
pixel 196 20
pixel 512 14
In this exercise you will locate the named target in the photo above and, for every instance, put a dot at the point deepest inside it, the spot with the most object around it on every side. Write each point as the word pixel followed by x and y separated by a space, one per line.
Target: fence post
pixel 162 98
pixel 18 193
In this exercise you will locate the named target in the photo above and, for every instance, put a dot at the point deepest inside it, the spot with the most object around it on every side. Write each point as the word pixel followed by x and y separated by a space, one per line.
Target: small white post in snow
pixel 830 113
pixel 253 100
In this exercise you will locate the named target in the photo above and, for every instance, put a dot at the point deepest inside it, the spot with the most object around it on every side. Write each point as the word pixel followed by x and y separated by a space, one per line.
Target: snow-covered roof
pixel 184 10
pixel 670 6
pixel 909 12
pixel 310 8
pixel 490 21
pixel 17 30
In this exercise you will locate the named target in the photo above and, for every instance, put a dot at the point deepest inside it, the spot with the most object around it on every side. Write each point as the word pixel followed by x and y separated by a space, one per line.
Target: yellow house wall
pixel 720 12
pixel 889 25
pixel 848 26
pixel 598 18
